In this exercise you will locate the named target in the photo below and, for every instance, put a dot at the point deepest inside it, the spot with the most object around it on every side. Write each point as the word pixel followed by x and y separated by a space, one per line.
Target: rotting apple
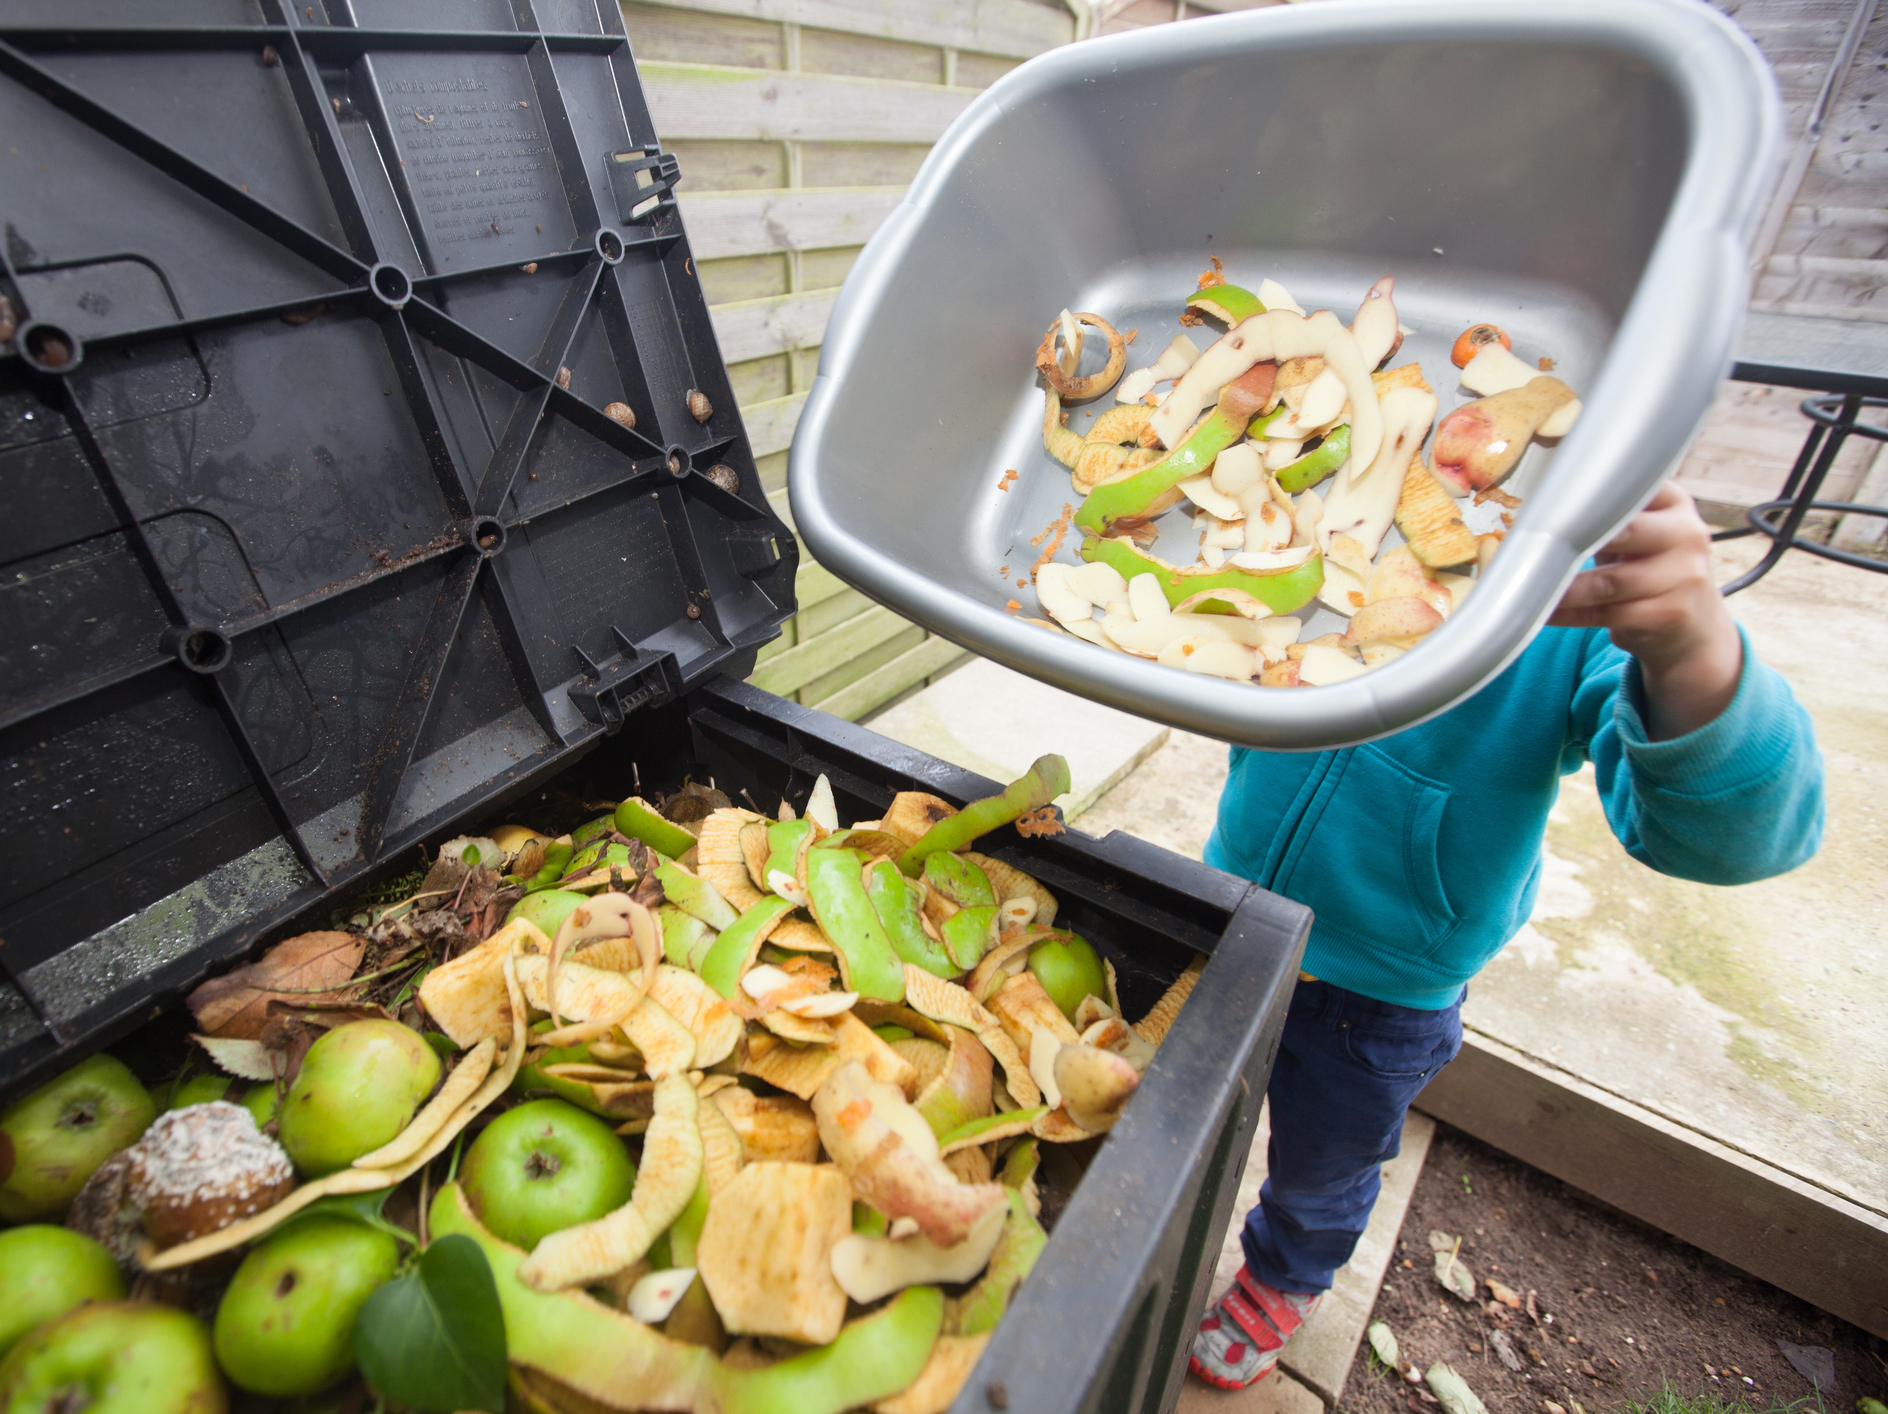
pixel 285 1326
pixel 52 1139
pixel 45 1271
pixel 542 1167
pixel 1069 970
pixel 359 1085
pixel 120 1357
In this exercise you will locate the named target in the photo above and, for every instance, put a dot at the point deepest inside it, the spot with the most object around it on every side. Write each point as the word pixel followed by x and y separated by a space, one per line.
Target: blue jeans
pixel 1347 1068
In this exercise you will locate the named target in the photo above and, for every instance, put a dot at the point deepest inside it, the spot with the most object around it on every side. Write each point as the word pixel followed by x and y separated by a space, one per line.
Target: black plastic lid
pixel 318 531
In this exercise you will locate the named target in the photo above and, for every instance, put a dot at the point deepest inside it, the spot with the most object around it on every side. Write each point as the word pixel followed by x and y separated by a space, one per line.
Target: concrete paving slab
pixel 1170 799
pixel 986 718
pixel 1277 1393
pixel 1758 1014
pixel 1320 1354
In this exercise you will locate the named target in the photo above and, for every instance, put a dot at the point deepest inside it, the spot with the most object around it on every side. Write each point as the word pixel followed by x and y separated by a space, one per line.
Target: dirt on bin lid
pixel 1619 1309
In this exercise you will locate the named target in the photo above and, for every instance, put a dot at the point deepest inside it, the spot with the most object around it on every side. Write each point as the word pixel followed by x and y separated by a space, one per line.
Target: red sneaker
pixel 1240 1338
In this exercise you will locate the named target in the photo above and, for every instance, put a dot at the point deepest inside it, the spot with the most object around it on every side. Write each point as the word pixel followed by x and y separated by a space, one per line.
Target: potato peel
pixel 766 1251
pixel 671 1167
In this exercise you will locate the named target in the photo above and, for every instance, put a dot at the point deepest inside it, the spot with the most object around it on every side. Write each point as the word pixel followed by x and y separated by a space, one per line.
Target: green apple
pixel 548 908
pixel 45 1271
pixel 358 1087
pixel 263 1101
pixel 544 1166
pixel 198 1090
pixel 52 1140
pixel 123 1357
pixel 286 1324
pixel 1068 971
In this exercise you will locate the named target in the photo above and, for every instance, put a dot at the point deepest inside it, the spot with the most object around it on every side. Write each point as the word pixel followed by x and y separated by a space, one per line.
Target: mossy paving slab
pixel 1756 1014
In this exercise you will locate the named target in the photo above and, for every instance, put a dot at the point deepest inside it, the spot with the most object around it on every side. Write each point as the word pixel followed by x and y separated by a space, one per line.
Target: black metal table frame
pixel 1834 418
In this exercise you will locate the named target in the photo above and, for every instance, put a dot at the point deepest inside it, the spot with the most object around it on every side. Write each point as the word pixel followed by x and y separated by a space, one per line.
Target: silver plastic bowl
pixel 1583 172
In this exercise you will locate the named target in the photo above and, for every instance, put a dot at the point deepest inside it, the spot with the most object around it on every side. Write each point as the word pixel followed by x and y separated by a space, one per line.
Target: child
pixel 1420 856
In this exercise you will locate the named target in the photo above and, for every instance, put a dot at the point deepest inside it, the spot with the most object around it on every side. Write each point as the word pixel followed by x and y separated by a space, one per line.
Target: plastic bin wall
pixel 367 454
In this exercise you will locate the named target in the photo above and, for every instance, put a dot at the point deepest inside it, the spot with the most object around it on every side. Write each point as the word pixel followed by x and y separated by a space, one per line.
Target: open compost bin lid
pixel 1582 172
pixel 368 454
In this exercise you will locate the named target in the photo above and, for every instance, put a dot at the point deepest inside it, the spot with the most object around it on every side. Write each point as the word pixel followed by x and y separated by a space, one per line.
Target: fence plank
pixel 754 328
pixel 1013 27
pixel 724 224
pixel 713 101
pixel 882 684
pixel 770 424
pixel 799 665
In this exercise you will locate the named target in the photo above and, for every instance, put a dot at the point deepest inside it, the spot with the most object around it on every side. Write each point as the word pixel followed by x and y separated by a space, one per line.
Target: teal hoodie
pixel 1420 854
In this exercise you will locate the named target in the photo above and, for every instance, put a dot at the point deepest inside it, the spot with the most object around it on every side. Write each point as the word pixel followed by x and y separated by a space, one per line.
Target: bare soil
pixel 1620 1309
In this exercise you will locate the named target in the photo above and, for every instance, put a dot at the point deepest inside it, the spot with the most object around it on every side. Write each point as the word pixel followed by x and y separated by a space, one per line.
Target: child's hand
pixel 1654 594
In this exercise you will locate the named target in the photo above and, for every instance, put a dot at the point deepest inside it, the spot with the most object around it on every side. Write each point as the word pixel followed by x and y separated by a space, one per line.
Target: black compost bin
pixel 368 462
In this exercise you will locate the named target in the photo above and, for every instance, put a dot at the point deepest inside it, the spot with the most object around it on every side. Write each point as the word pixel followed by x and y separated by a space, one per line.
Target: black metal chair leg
pixel 1795 479
pixel 1783 537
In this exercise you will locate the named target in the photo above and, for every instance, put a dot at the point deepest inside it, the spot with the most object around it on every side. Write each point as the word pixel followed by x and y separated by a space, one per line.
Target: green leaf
pixel 435 1338
pixel 440 1041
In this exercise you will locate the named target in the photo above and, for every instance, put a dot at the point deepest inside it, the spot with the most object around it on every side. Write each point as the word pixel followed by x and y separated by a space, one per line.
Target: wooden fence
pixel 798 125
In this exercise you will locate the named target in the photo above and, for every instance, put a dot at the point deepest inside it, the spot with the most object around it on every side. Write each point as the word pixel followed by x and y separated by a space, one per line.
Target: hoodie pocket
pixel 1369 866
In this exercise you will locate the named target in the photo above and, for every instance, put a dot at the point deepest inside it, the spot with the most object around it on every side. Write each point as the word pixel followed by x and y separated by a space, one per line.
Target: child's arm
pixel 1654 594
pixel 1706 764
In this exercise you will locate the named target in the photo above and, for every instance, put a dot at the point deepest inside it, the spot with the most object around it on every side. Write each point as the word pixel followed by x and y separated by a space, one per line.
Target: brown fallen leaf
pixel 308 970
pixel 1505 1294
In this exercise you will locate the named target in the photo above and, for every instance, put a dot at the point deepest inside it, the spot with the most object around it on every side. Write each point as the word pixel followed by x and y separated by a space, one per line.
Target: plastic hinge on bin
pixel 616 689
pixel 643 179
pixel 755 549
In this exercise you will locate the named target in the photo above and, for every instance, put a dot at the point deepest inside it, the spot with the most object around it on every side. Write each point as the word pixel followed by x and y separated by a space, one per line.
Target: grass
pixel 1669 1401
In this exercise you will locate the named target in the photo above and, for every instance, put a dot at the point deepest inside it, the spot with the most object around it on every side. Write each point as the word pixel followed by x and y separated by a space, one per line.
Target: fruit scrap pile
pixel 756 1111
pixel 1243 435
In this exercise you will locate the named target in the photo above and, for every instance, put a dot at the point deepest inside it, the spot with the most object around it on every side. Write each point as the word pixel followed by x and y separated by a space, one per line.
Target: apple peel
pixel 723 1154
pixel 802 1070
pixel 990 1129
pixel 771 1128
pixel 606 915
pixel 766 1251
pixel 671 1167
pixel 943 1378
pixel 890 1156
pixel 467 996
pixel 465 1079
pixel 703 1011
pixel 869 1268
pixel 721 860
pixel 1153 1027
